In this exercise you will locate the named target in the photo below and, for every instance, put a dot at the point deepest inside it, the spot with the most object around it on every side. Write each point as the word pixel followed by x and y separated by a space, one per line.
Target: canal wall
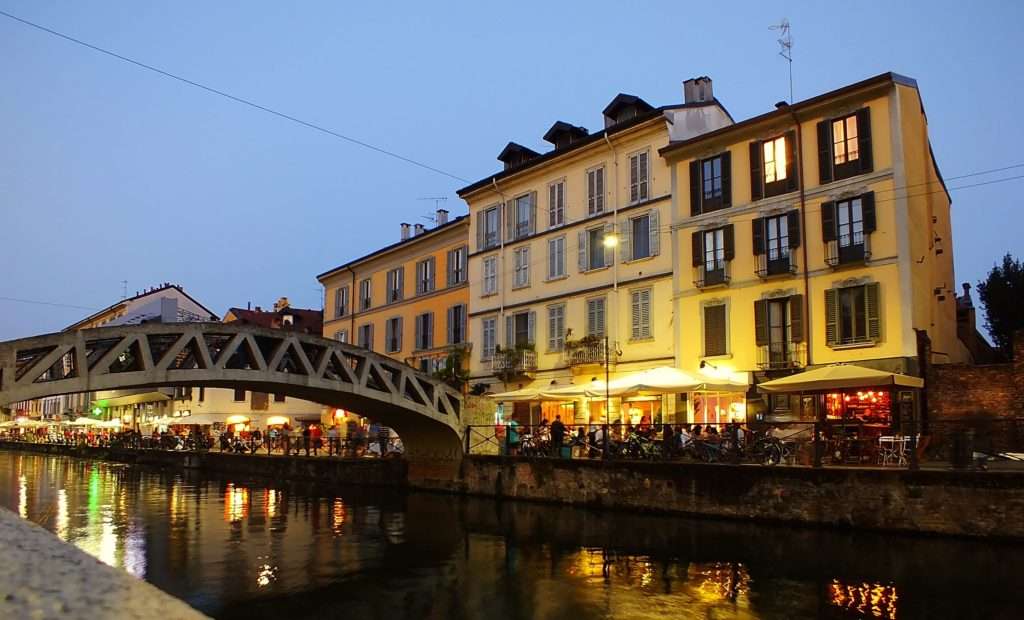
pixel 334 471
pixel 975 504
pixel 43 577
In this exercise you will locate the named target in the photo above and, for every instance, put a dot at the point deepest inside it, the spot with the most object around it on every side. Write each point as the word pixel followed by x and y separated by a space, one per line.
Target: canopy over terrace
pixel 839 377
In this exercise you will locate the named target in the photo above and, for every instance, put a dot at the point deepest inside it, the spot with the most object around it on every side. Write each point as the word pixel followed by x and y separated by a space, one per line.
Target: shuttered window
pixel 641 314
pixel 640 237
pixel 774 159
pixel 773 166
pixel 853 315
pixel 638 176
pixel 393 335
pixel 556 257
pixel 523 216
pixel 425 331
pixel 425 276
pixel 365 297
pixel 456 324
pixel 710 184
pixel 521 275
pixel 457 265
pixel 844 146
pixel 595 191
pixel 487 336
pixel 366 336
pixel 715 341
pixel 556 204
pixel 490 275
pixel 341 301
pixel 520 329
pixel 556 327
pixel 488 228
pixel 396 285
pixel 595 317
pixel 341 335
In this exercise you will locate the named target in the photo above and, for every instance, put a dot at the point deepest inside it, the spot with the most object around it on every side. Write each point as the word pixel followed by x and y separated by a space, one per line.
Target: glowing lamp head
pixel 610 241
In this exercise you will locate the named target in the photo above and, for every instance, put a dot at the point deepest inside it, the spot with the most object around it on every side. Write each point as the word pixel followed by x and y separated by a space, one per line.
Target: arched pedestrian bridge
pixel 425 412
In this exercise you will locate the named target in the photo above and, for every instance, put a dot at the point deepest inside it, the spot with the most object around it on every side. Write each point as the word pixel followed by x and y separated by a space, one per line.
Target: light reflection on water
pixel 239 549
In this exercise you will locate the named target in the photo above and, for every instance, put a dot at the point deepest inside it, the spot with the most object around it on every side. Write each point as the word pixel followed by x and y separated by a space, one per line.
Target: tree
pixel 454 371
pixel 1001 294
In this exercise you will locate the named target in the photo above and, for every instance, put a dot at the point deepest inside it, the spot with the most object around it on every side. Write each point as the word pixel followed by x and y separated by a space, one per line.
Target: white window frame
pixel 341 302
pixel 389 334
pixel 556 327
pixel 365 294
pixel 492 238
pixel 840 129
pixel 595 183
pixel 594 249
pixel 341 335
pixel 775 149
pixel 640 184
pixel 632 237
pixel 556 258
pixel 556 203
pixel 521 274
pixel 457 267
pixel 488 337
pixel 521 227
pixel 489 273
pixel 395 280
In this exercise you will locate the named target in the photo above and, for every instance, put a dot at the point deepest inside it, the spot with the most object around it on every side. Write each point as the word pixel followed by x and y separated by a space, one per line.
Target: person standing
pixel 305 438
pixel 557 436
pixel 332 440
pixel 317 436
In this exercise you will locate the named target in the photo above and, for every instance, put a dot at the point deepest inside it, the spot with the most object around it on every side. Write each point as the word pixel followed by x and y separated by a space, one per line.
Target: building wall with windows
pixel 816 253
pixel 541 276
pixel 409 300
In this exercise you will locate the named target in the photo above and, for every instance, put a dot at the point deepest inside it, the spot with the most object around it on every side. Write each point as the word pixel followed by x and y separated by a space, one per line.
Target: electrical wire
pixel 46 303
pixel 235 98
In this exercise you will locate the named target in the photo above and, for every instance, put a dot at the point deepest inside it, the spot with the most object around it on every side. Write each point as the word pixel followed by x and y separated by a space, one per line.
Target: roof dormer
pixel 515 154
pixel 563 134
pixel 623 108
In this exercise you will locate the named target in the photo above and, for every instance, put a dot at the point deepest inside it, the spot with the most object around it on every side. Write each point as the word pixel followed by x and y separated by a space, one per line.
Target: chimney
pixel 442 217
pixel 967 295
pixel 697 90
pixel 281 304
pixel 417 230
pixel 405 231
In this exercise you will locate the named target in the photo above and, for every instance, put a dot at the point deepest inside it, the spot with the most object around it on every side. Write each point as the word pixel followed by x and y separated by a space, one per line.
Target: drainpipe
pixel 500 276
pixel 615 231
pixel 352 311
pixel 803 242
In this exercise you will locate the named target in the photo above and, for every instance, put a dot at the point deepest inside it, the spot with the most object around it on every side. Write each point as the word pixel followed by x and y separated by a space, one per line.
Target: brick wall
pixel 965 391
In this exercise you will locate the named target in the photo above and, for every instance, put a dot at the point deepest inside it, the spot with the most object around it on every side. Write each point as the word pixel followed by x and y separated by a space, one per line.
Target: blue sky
pixel 110 173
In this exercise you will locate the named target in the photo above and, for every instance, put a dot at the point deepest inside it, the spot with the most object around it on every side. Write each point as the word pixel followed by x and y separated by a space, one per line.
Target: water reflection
pixel 237 549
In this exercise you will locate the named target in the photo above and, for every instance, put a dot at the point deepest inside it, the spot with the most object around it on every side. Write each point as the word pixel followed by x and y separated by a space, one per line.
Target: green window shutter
pixel 825 151
pixel 864 139
pixel 832 317
pixel 873 312
pixel 726 179
pixel 757 234
pixel 695 189
pixel 792 170
pixel 797 325
pixel 793 224
pixel 756 177
pixel 698 248
pixel 828 221
pixel 867 205
pixel 761 322
pixel 654 231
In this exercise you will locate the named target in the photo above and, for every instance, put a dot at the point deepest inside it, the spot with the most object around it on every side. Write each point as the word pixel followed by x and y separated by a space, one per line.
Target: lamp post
pixel 610 241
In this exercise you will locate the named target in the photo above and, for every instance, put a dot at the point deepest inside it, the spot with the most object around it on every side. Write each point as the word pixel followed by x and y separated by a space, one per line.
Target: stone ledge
pixel 44 577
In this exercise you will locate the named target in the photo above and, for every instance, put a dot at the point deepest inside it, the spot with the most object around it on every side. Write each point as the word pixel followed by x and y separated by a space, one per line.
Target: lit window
pixel 844 140
pixel 774 159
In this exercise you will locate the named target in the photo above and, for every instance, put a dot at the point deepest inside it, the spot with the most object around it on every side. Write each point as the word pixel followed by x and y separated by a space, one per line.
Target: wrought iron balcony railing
pixel 857 250
pixel 765 266
pixel 782 355
pixel 513 361
pixel 705 277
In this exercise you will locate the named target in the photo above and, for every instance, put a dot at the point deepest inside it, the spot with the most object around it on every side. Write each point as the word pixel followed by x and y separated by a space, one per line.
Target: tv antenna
pixel 786 49
pixel 438 200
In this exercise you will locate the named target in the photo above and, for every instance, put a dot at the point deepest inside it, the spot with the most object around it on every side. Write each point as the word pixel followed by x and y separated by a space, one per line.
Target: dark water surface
pixel 241 549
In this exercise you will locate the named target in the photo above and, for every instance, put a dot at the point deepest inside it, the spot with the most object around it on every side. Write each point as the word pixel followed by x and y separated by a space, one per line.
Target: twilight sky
pixel 109 172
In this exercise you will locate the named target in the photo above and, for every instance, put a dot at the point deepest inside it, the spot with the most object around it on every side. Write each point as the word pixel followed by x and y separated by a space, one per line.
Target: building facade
pixel 814 234
pixel 571 250
pixel 409 300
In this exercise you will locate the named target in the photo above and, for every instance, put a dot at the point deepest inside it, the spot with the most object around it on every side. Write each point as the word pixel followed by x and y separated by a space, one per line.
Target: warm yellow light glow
pixel 277 419
pixel 237 419
pixel 610 241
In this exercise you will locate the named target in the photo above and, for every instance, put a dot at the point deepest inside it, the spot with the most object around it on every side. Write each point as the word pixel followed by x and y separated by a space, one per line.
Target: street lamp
pixel 611 240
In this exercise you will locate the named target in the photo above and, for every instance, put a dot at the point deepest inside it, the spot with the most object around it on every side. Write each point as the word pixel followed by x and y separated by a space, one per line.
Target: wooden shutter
pixel 761 322
pixel 401 282
pixel 698 248
pixel 797 329
pixel 873 311
pixel 828 221
pixel 757 233
pixel 626 241
pixel 510 336
pixel 793 225
pixel 418 332
pixel 533 213
pixel 634 178
pixel 609 252
pixel 654 231
pixel 728 241
pixel 792 170
pixel 398 335
pixel 726 179
pixel 695 189
pixel 552 205
pixel 390 285
pixel 449 262
pixel 864 139
pixel 430 330
pixel 867 206
pixel 531 327
pixel 431 274
pixel 599 187
pixel 714 331
pixel 480 219
pixel 582 258
pixel 825 151
pixel 756 177
pixel 832 317
pixel 510 220
pixel 450 323
pixel 388 328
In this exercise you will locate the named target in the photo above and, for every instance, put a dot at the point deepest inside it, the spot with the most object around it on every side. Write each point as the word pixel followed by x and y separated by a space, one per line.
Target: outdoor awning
pixel 667 380
pixel 839 377
pixel 131 399
pixel 83 421
pixel 525 394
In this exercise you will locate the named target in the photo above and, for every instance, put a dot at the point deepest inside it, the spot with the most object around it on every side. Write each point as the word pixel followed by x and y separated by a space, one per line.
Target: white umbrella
pixel 83 421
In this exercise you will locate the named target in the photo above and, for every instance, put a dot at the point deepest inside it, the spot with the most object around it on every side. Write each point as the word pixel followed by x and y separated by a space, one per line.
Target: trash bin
pixel 963 448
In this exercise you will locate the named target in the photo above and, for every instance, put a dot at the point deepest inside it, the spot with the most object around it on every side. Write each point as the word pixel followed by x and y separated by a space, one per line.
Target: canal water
pixel 237 548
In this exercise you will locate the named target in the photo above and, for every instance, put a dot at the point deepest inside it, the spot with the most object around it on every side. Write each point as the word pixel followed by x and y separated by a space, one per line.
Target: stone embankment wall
pixel 982 504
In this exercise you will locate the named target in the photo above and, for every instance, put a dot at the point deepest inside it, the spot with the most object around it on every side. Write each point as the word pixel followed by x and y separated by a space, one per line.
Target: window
pixel 487 330
pixel 556 257
pixel 341 335
pixel 592 252
pixel 774 159
pixel 778 325
pixel 641 314
pixel 365 289
pixel 457 265
pixel 519 329
pixel 710 184
pixel 488 228
pixel 341 302
pixel 425 276
pixel 457 324
pixel 366 336
pixel 711 179
pixel 393 335
pixel 522 267
pixel 844 146
pixel 595 191
pixel 595 317
pixel 773 166
pixel 556 204
pixel 278 398
pixel 774 238
pixel 845 227
pixel 852 315
pixel 638 170
pixel 395 285
pixel 715 336
pixel 202 394
pixel 523 216
pixel 239 396
pixel 556 327
pixel 642 236
pixel 714 250
pixel 425 331
pixel 490 274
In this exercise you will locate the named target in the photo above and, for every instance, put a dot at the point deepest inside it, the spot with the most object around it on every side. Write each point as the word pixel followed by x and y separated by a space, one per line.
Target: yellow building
pixel 816 233
pixel 409 300
pixel 572 246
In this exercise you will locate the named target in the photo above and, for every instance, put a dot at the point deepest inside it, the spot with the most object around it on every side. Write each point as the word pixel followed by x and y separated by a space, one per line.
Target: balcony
pixel 857 251
pixel 707 278
pixel 767 267
pixel 782 356
pixel 590 353
pixel 514 362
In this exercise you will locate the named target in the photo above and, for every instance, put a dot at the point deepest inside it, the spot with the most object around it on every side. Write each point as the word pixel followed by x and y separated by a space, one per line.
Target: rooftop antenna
pixel 438 200
pixel 786 49
pixel 124 289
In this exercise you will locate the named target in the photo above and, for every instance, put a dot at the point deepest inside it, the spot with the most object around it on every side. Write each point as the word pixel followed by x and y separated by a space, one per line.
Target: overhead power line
pixel 235 98
pixel 46 303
